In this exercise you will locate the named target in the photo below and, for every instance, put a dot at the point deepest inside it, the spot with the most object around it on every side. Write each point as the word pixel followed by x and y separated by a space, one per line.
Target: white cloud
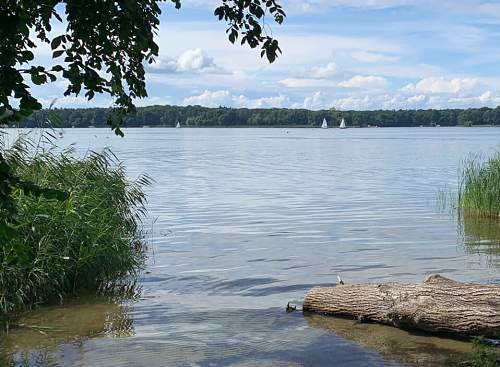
pixel 354 103
pixel 210 99
pixel 363 4
pixel 329 70
pixel 414 100
pixel 319 78
pixel 379 101
pixel 192 60
pixel 320 100
pixel 463 37
pixel 75 101
pixel 364 82
pixel 156 100
pixel 203 80
pixel 372 57
pixel 321 5
pixel 489 8
pixel 314 102
pixel 301 46
pixel 225 98
pixel 485 99
pixel 395 101
pixel 442 85
pixel 307 48
pixel 306 83
pixel 315 77
pixel 398 70
pixel 265 102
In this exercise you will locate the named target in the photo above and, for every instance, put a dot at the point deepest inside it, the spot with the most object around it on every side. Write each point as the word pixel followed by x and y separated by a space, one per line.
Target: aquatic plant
pixel 479 188
pixel 81 232
pixel 483 354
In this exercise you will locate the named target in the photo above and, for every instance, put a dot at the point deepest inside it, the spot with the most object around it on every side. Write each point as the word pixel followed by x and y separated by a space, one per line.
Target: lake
pixel 243 221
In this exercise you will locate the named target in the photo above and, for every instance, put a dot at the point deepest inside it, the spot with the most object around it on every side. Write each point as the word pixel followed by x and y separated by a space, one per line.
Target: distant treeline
pixel 197 116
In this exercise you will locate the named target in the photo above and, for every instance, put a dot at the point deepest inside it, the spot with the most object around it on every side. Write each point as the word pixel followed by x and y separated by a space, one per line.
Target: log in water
pixel 438 304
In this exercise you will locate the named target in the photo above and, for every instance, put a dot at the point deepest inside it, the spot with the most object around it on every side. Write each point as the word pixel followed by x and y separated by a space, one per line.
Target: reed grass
pixel 479 188
pixel 483 354
pixel 61 247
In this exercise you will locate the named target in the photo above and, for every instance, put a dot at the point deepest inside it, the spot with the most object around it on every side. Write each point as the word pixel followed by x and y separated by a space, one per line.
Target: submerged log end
pixel 439 279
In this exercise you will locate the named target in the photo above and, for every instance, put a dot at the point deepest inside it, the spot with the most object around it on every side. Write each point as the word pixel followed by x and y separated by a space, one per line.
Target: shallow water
pixel 246 220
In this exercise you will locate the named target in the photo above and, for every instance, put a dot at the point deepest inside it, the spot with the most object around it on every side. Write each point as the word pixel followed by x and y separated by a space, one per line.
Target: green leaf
pixel 27 55
pixel 57 68
pixel 57 53
pixel 56 42
pixel 39 79
pixel 233 36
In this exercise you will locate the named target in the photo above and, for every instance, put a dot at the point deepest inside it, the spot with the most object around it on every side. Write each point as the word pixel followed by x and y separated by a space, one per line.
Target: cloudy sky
pixel 346 54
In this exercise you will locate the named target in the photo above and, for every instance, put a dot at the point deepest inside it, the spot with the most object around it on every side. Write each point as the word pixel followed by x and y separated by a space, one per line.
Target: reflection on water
pixel 482 235
pixel 55 335
pixel 37 335
pixel 249 219
pixel 416 349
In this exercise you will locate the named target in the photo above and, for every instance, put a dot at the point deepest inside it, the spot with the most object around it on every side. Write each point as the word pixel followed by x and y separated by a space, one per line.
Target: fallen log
pixel 438 305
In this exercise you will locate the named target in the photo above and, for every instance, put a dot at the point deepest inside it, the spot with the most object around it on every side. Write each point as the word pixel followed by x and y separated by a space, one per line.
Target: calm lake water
pixel 246 220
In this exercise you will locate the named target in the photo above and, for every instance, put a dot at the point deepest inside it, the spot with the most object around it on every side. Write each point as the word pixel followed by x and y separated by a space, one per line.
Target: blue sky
pixel 343 54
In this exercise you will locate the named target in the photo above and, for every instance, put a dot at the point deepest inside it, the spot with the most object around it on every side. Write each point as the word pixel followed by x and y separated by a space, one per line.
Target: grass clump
pixel 479 189
pixel 82 242
pixel 483 354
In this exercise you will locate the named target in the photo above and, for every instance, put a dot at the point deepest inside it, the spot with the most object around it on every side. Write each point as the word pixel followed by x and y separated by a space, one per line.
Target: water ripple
pixel 249 219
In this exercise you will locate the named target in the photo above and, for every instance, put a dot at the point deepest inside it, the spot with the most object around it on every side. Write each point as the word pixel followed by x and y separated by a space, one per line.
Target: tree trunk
pixel 436 305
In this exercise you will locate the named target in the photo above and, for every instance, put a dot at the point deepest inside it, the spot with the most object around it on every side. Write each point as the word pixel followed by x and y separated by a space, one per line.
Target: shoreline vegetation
pixel 479 187
pixel 198 116
pixel 86 241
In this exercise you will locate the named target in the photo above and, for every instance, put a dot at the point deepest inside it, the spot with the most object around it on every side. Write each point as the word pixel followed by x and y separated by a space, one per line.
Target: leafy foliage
pixel 104 47
pixel 244 18
pixel 83 241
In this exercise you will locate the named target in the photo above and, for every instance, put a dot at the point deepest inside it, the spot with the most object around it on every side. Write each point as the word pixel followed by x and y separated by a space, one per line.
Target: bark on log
pixel 438 305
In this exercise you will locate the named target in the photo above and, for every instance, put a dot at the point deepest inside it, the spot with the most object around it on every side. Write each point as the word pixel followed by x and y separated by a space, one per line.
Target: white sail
pixel 178 125
pixel 342 124
pixel 325 124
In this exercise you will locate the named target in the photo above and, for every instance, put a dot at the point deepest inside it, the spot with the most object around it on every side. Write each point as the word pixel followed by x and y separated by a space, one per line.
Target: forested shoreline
pixel 198 116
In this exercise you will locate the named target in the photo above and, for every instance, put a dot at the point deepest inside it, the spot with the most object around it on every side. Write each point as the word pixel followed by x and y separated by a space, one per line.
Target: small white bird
pixel 341 282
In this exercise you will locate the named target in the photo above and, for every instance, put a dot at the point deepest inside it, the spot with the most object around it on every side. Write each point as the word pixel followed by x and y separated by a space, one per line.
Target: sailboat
pixel 342 125
pixel 178 125
pixel 324 125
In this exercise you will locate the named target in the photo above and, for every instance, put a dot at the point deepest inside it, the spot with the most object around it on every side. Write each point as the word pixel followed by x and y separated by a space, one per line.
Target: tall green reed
pixel 479 188
pixel 81 242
